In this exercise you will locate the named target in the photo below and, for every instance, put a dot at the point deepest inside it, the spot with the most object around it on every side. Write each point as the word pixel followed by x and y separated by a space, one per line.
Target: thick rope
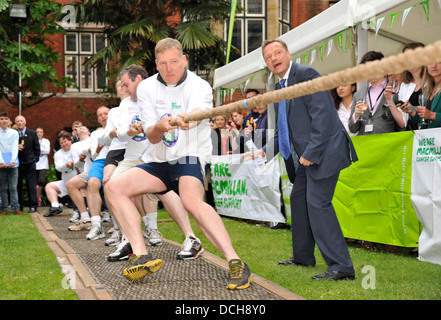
pixel 370 70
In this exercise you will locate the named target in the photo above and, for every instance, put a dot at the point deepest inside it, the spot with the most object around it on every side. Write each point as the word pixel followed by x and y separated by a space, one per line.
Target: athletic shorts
pixel 62 186
pixel 169 173
pixel 114 156
pixel 125 165
pixel 83 176
pixel 96 170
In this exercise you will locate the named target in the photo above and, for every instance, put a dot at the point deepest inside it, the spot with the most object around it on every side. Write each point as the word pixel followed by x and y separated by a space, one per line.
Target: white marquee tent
pixel 335 40
pixel 332 40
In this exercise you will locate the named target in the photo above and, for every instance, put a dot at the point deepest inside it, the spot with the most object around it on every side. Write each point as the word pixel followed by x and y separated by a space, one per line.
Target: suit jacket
pixel 381 125
pixel 259 132
pixel 315 129
pixel 31 151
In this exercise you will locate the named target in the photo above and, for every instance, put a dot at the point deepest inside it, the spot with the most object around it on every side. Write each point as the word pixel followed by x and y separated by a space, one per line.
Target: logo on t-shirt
pixel 141 136
pixel 170 138
pixel 175 106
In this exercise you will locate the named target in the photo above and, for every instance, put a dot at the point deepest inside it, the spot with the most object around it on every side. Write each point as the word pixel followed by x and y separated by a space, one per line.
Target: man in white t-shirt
pixel 82 161
pixel 81 150
pixel 63 163
pixel 95 183
pixel 77 184
pixel 137 145
pixel 176 158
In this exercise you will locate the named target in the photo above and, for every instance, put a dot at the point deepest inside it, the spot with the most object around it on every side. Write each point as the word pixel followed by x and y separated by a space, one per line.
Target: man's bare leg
pixel 119 191
pixel 93 196
pixel 148 209
pixel 52 192
pixel 74 187
pixel 94 202
pixel 172 203
pixel 210 223
pixel 107 172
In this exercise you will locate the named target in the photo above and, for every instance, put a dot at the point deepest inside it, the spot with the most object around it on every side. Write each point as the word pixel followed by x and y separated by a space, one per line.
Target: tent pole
pixel 360 49
pixel 271 113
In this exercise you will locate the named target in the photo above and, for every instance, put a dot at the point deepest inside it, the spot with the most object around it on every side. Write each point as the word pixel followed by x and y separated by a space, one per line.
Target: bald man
pixel 28 155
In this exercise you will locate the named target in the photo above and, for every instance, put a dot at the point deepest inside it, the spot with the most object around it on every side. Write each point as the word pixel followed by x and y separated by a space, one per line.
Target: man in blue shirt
pixel 8 165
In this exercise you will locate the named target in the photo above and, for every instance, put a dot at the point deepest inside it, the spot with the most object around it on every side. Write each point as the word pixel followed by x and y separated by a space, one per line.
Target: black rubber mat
pixel 196 279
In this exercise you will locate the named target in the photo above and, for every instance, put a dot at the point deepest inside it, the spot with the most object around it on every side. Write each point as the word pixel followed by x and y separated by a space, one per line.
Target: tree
pixel 36 65
pixel 133 27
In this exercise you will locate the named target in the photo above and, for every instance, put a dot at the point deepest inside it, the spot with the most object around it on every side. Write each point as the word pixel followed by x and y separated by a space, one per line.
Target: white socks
pixel 96 220
pixel 151 220
pixel 85 216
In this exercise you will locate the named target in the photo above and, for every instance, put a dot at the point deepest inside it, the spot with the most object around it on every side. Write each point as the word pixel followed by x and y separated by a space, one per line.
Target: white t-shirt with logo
pixel 79 148
pixel 113 121
pixel 138 144
pixel 157 101
pixel 61 157
pixel 95 137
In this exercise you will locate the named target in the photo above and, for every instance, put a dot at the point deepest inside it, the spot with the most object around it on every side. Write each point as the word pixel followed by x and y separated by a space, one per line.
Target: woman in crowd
pixel 220 136
pixel 431 113
pixel 43 163
pixel 343 96
pixel 56 148
pixel 237 144
pixel 410 88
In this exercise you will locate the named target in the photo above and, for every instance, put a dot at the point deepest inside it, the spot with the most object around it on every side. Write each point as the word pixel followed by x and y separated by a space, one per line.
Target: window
pixel 79 47
pixel 285 16
pixel 249 28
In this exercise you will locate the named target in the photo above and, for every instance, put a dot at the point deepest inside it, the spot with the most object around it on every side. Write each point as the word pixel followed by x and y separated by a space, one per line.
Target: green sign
pixel 372 197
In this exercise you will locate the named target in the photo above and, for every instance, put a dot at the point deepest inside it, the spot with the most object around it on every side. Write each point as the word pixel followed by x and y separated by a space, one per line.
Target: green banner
pixel 372 197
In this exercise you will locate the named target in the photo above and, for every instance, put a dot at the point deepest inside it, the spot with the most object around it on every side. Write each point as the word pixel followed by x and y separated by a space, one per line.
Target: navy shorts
pixel 170 172
pixel 114 157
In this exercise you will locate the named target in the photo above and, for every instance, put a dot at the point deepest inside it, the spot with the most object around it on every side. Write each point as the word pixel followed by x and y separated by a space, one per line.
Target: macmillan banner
pixel 244 190
pixel 372 199
pixel 426 192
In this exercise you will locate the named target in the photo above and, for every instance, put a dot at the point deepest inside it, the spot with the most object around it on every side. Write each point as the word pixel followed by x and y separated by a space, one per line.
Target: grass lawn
pixel 28 268
pixel 379 275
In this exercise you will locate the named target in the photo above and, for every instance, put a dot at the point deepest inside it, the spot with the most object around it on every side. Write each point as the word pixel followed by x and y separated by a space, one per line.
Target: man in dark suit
pixel 317 138
pixel 29 153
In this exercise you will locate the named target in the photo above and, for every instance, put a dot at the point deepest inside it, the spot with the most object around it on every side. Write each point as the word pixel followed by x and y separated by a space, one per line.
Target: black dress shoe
pixel 291 261
pixel 334 275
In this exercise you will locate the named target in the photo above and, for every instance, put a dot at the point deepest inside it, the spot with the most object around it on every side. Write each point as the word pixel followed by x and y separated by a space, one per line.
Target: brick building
pixel 262 19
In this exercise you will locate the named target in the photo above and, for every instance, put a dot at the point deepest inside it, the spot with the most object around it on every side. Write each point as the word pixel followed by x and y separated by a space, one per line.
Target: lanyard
pixel 261 121
pixel 370 99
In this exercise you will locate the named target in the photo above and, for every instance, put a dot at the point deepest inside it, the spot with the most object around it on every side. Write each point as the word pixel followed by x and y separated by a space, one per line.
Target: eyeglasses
pixel 274 55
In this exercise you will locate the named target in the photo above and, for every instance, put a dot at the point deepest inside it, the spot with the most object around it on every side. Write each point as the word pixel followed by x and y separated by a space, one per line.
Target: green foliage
pixel 134 27
pixel 36 65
